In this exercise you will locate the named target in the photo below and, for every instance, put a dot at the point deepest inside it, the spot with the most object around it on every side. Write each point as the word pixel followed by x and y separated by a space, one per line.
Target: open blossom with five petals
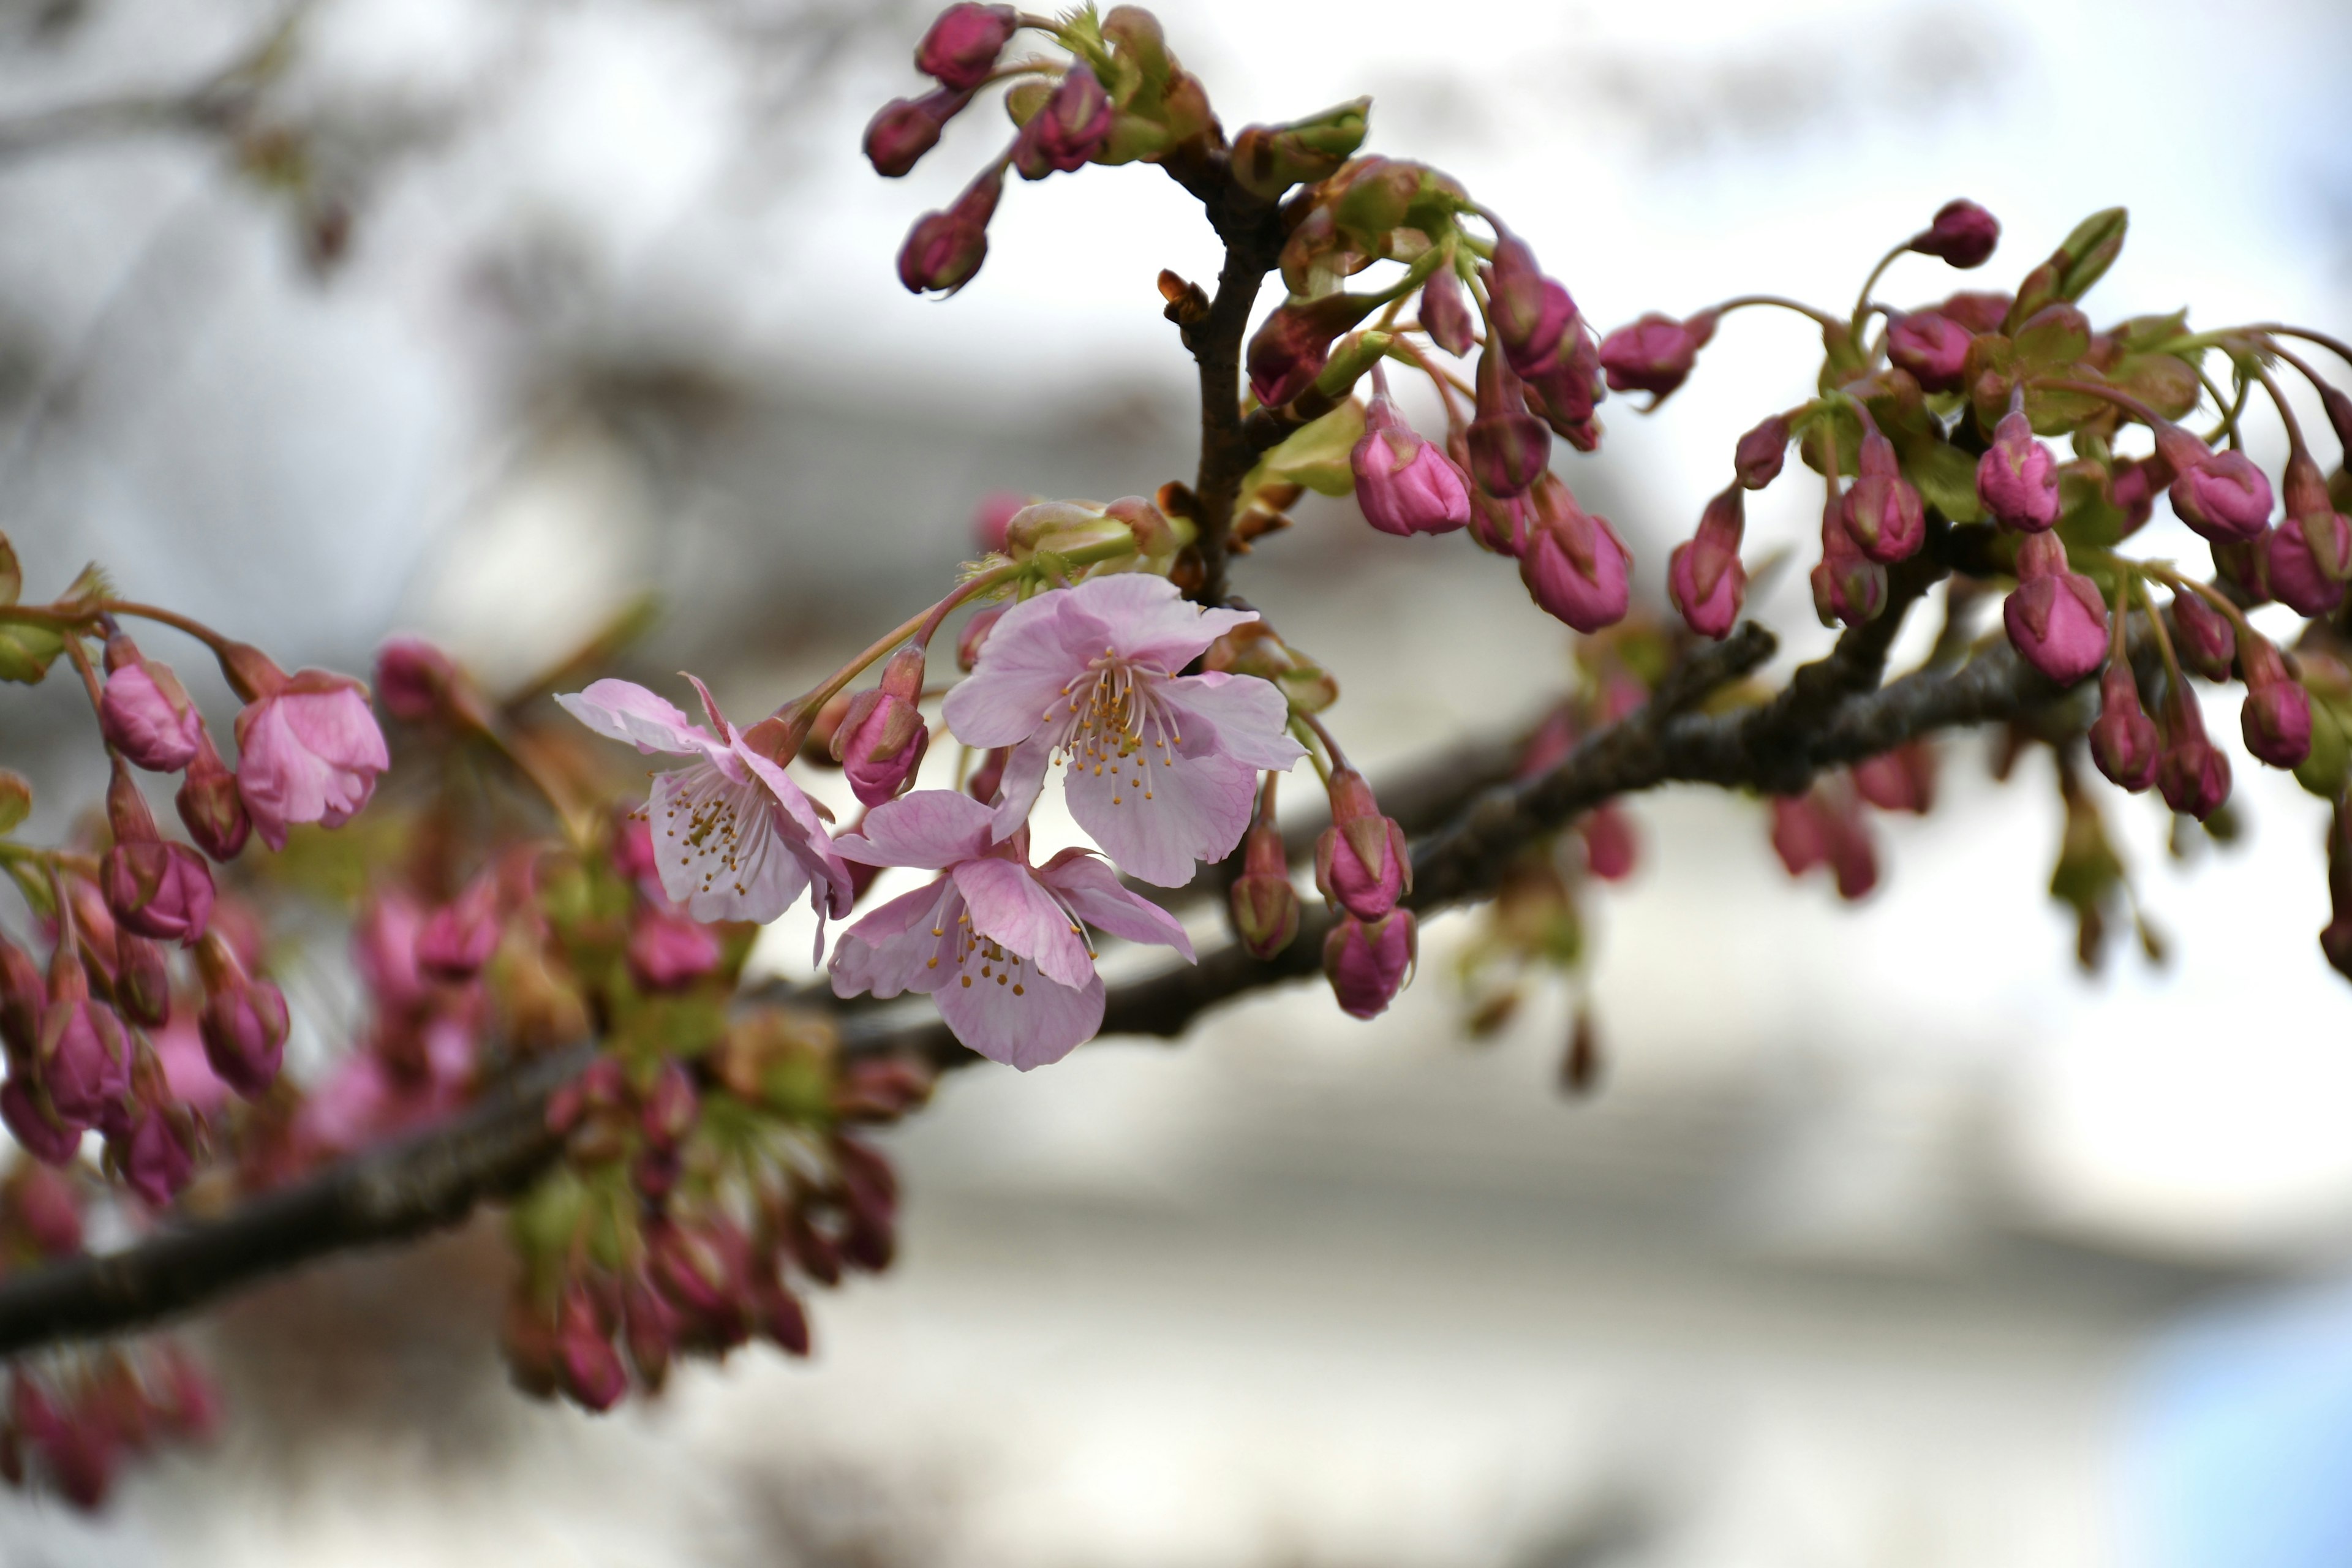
pixel 998 943
pixel 734 838
pixel 1162 767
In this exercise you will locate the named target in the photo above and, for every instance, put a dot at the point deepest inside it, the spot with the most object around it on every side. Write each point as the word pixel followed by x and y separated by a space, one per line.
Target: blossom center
pixel 1115 715
pixel 715 819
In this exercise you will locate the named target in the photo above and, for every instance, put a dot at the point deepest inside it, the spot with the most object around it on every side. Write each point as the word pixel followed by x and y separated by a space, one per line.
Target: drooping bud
pixel 944 249
pixel 1932 346
pixel 1403 484
pixel 1610 848
pixel 1533 316
pixel 22 998
pixel 2055 618
pixel 154 1155
pixel 40 1133
pixel 143 711
pixel 670 953
pixel 1703 577
pixel 1289 349
pixel 211 808
pixel 1655 354
pixel 882 740
pixel 1367 963
pixel 2017 478
pixel 37 1209
pixel 2203 637
pixel 157 890
pixel 1361 862
pixel 2295 575
pixel 82 1055
pixel 2276 717
pixel 2123 741
pixel 963 42
pixel 996 509
pixel 244 1022
pixel 591 1368
pixel 1882 510
pixel 1497 523
pixel 1758 457
pixel 1264 904
pixel 2246 567
pixel 458 938
pixel 1849 587
pixel 1565 395
pixel 1508 446
pixel 1962 233
pixel 142 980
pixel 904 129
pixel 2225 497
pixel 1573 564
pixel 1445 314
pixel 1901 780
pixel 1068 131
pixel 417 682
pixel 2192 774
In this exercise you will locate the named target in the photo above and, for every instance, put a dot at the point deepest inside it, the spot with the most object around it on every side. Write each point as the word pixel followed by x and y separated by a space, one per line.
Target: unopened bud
pixel 1444 314
pixel 1962 233
pixel 591 1368
pixel 1264 904
pixel 1068 131
pixel 2203 637
pixel 944 249
pixel 1508 446
pixel 2055 618
pixel 1901 780
pixel 1366 965
pixel 2123 741
pixel 1404 485
pixel 1932 346
pixel 2192 772
pixel 1655 354
pixel 1361 862
pixel 1573 564
pixel 211 807
pixel 82 1055
pixel 154 1157
pixel 1610 850
pixel 22 997
pixel 963 42
pixel 2296 558
pixel 2276 717
pixel 1882 510
pixel 38 1131
pixel 2017 478
pixel 671 1106
pixel 142 980
pixel 1267 159
pixel 143 711
pixel 1848 586
pixel 458 938
pixel 1705 578
pixel 882 738
pixel 1758 457
pixel 996 510
pixel 1534 318
pixel 2225 498
pixel 1289 351
pixel 243 1024
pixel 670 953
pixel 904 129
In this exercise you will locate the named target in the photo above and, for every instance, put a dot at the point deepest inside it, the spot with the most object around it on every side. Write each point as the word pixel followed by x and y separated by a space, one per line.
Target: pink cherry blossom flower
pixel 1162 767
pixel 307 751
pixel 999 944
pixel 734 838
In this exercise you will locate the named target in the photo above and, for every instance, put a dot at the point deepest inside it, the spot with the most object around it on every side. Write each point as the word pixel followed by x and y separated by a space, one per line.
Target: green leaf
pixel 1946 475
pixel 15 800
pixel 2089 251
pixel 2326 771
pixel 2166 383
pixel 27 652
pixel 1315 454
pixel 12 576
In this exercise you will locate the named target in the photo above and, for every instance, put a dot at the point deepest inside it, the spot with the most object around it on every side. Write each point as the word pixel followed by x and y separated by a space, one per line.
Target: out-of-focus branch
pixel 218 105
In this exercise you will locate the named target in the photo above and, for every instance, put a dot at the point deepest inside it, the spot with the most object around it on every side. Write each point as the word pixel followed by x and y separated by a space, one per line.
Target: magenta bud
pixel 1509 446
pixel 458 938
pixel 1068 131
pixel 1883 510
pixel 1703 577
pixel 2055 618
pixel 211 808
pixel 1291 347
pixel 589 1365
pixel 2123 741
pixel 994 513
pixel 310 750
pixel 904 129
pixel 243 1024
pixel 1758 457
pixel 1264 904
pixel 2203 637
pixel 22 998
pixel 2225 498
pixel 670 953
pixel 782 1320
pixel 975 637
pixel 417 682
pixel 143 713
pixel 158 890
pixel 671 1106
pixel 1848 586
pixel 82 1058
pixel 49 1138
pixel 1367 963
pixel 963 43
pixel 2293 574
pixel 2277 718
pixel 1574 565
pixel 142 980
pixel 40 1207
pixel 1978 311
pixel 1498 523
pixel 882 738
pixel 1565 394
pixel 1610 850
pixel 2191 773
pixel 2017 478
pixel 1655 354
pixel 1962 233
pixel 1533 316
pixel 1901 780
pixel 1932 346
pixel 1403 484
pixel 1444 314
pixel 154 1157
pixel 1361 862
pixel 944 249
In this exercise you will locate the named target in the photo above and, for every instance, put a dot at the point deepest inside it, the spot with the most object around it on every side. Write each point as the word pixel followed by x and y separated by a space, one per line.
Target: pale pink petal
pixel 1035 652
pixel 718 724
pixel 897 946
pixel 1024 1024
pixel 931 828
pixel 1012 908
pixel 1093 894
pixel 1025 777
pixel 1155 819
pixel 802 832
pixel 1151 620
pixel 1241 716
pixel 718 848
pixel 623 710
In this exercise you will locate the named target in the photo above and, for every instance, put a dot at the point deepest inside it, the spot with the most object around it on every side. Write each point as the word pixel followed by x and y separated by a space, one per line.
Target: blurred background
pixel 1889 1239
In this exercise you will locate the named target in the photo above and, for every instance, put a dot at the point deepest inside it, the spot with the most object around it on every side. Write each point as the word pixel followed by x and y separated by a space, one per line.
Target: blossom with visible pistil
pixel 734 838
pixel 998 943
pixel 1162 767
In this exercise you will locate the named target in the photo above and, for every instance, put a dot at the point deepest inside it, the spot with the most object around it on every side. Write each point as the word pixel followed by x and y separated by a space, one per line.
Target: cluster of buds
pixel 70 1428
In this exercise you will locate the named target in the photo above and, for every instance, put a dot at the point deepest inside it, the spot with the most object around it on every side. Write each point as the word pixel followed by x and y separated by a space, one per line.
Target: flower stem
pixel 1778 301
pixel 798 712
pixel 1861 300
pixel 2163 638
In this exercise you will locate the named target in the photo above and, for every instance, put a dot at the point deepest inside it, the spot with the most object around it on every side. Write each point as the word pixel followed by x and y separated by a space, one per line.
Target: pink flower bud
pixel 1848 586
pixel 2123 741
pixel 1883 511
pixel 782 1320
pixel 1367 963
pixel 154 1157
pixel 1509 446
pixel 904 129
pixel 2055 618
pixel 1068 131
pixel 1497 523
pixel 2133 487
pixel 1291 347
pixel 2276 717
pixel 1962 233
pixel 670 953
pixel 1574 565
pixel 1901 780
pixel 671 1106
pixel 1610 848
pixel 1403 484
pixel 41 1210
pixel 458 938
pixel 1564 396
pixel 975 637
pixel 1932 346
pixel 882 738
pixel 944 249
pixel 1703 577
pixel 309 751
pixel 649 1325
pixel 2203 637
pixel 2225 498
pixel 142 980
pixel 995 510
pixel 1826 828
pixel 2017 478
pixel 45 1136
pixel 1978 311
pixel 22 995
pixel 157 890
pixel 963 43
pixel 211 808
pixel 82 1056
pixel 2246 567
pixel 1361 862
pixel 1655 354
pixel 143 713
pixel 1264 904
pixel 591 1368
pixel 2293 574
pixel 416 681
pixel 1533 317
pixel 243 1022
pixel 1444 314
pixel 2191 773
pixel 1758 457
